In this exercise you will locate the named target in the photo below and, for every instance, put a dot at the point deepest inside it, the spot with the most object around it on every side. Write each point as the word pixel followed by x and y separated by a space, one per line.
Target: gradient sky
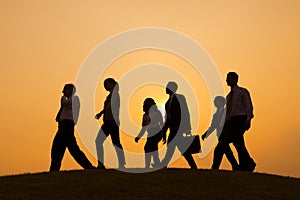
pixel 43 45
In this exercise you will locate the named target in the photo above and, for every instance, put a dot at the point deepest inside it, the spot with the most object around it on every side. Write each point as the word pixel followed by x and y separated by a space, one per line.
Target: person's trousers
pixel 63 139
pixel 112 129
pixel 221 149
pixel 233 132
pixel 171 145
pixel 230 157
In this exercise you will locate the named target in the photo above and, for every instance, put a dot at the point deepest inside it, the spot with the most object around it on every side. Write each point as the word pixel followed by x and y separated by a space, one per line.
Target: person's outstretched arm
pixel 141 133
pixel 145 124
pixel 99 114
pixel 214 123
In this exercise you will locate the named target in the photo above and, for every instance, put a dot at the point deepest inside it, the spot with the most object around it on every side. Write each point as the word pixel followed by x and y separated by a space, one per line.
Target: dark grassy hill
pixel 162 184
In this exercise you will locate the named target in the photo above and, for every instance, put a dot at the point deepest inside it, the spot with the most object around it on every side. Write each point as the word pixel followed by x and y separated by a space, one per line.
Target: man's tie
pixel 169 106
pixel 229 104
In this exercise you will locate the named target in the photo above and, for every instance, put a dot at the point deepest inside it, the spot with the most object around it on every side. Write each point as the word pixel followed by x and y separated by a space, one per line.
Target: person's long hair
pixel 149 103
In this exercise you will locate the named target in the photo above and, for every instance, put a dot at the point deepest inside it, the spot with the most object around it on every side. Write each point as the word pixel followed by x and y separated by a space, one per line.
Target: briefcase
pixel 189 144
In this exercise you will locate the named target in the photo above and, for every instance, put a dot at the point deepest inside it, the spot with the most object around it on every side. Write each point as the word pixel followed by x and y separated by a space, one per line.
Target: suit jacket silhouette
pixel 177 116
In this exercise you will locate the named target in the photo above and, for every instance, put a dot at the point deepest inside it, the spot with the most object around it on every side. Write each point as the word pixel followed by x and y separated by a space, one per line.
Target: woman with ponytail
pixel 111 122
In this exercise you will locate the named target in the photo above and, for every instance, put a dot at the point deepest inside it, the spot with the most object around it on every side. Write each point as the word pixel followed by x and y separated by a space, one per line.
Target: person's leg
pixel 152 143
pixel 231 158
pixel 115 137
pixel 101 137
pixel 243 154
pixel 189 158
pixel 75 151
pixel 78 155
pixel 147 160
pixel 223 144
pixel 169 154
pixel 183 148
pixel 218 154
pixel 58 149
pixel 156 161
pixel 148 152
pixel 246 162
pixel 151 148
pixel 171 145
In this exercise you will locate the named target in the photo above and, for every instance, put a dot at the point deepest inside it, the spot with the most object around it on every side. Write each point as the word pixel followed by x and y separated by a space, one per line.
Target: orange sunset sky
pixel 43 45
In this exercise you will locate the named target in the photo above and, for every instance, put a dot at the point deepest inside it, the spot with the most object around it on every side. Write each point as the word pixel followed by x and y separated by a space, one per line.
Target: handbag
pixel 190 144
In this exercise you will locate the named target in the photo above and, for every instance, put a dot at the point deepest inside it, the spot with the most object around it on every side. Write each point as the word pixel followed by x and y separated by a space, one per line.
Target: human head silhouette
pixel 232 79
pixel 69 90
pixel 219 102
pixel 171 87
pixel 110 84
pixel 148 105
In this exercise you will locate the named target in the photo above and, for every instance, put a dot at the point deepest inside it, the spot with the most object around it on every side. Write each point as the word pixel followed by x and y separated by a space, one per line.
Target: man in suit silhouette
pixel 239 113
pixel 178 121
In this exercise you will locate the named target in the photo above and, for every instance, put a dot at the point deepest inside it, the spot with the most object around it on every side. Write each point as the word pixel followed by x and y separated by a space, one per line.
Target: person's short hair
pixel 234 75
pixel 70 86
pixel 221 100
pixel 172 86
pixel 110 80
pixel 113 81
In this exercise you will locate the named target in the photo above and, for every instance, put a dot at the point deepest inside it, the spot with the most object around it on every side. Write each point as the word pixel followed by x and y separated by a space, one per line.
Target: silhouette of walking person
pixel 239 112
pixel 217 124
pixel 178 121
pixel 111 122
pixel 67 118
pixel 152 123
